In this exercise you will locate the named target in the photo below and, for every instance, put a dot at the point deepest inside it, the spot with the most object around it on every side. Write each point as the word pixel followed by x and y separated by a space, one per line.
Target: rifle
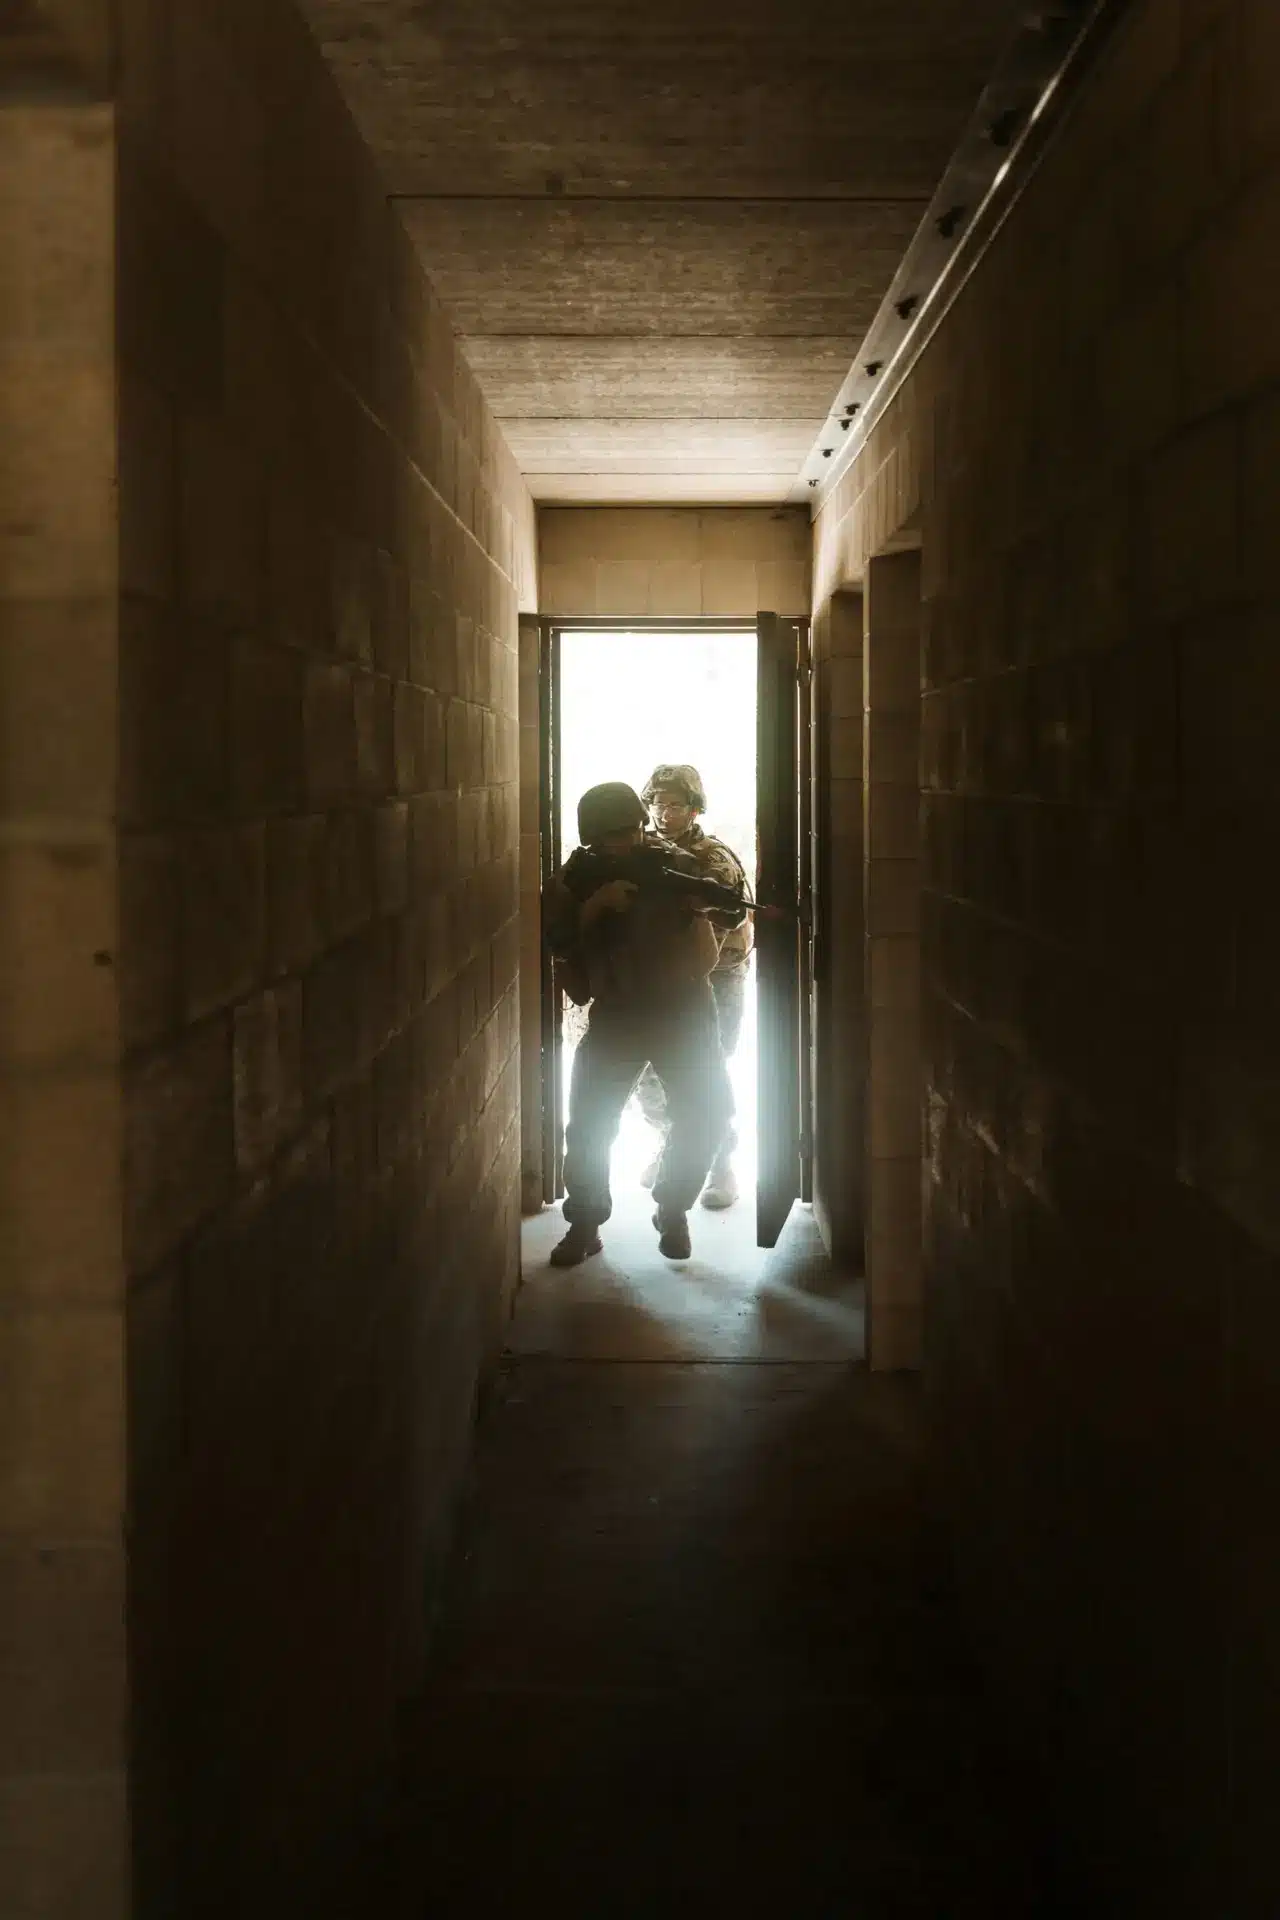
pixel 647 868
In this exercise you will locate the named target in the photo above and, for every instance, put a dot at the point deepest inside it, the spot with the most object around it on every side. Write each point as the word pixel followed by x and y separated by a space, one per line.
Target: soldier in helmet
pixel 643 958
pixel 676 797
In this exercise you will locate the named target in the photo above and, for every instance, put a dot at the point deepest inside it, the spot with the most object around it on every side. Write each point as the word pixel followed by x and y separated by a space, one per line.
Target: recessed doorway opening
pixel 629 703
pixel 624 701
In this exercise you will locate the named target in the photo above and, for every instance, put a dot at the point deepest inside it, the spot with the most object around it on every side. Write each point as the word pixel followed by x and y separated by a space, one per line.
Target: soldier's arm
pixel 560 920
pixel 720 865
pixel 704 948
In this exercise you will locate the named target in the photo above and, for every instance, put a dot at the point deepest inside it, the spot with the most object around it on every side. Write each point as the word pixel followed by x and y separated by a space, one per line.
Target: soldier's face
pixel 672 814
pixel 622 841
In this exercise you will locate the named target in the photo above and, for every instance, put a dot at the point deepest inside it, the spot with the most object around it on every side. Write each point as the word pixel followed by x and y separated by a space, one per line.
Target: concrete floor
pixel 699 1645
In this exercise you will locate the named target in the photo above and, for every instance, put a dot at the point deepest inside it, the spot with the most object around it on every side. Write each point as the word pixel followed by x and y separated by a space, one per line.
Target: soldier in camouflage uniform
pixel 675 797
pixel 642 958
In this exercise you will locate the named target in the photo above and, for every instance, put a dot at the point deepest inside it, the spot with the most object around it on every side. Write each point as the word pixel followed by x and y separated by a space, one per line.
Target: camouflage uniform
pixel 641 1011
pixel 728 983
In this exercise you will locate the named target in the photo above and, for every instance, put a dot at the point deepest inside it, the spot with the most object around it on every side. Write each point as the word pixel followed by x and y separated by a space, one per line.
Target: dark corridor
pixel 700 1648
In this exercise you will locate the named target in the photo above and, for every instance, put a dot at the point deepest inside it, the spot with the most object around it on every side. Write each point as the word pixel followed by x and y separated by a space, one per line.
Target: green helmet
pixel 676 779
pixel 611 808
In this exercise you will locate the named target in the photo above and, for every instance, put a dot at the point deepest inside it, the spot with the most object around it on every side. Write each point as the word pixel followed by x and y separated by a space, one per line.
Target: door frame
pixel 551 629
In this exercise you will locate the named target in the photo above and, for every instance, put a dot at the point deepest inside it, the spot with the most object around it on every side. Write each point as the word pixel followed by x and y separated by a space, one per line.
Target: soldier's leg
pixel 730 990
pixel 686 1056
pixel 652 1099
pixel 604 1071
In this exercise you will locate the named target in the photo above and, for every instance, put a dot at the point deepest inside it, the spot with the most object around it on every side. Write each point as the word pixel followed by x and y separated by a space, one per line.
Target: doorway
pixel 628 703
pixel 727 698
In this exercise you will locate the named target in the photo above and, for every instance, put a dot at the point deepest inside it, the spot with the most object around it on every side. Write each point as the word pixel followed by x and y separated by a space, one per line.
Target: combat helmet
pixel 610 808
pixel 676 778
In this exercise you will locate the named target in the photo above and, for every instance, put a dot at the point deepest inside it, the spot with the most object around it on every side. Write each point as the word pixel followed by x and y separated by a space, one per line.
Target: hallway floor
pixel 699 1645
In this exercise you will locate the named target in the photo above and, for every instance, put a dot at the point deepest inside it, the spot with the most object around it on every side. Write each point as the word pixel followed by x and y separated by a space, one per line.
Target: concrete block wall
pixel 891 968
pixel 840 1038
pixel 531 1169
pixel 63 1838
pixel 1089 450
pixel 324 543
pixel 674 562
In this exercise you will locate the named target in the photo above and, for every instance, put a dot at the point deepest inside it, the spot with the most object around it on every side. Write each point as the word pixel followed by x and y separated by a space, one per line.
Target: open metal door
pixel 782 920
pixel 549 860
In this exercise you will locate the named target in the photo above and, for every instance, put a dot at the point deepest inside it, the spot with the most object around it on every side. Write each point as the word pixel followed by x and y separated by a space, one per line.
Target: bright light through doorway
pixel 627 702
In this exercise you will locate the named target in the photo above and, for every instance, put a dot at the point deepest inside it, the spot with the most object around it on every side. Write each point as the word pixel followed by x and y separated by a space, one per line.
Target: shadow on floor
pixel 700 1648
pixel 732 1301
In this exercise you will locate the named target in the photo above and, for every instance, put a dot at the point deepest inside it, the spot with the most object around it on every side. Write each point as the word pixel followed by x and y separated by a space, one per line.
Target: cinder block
pixel 64 1840
pixel 170 281
pixel 58 698
pixel 55 284
pixel 57 993
pixel 177 1142
pixel 1191 519
pixel 349 871
pixel 219 130
pixel 1230 337
pixel 1260 492
pixel 224 915
pixel 729 586
pixel 148 966
pixel 1138 376
pixel 433 659
pixel 675 590
pixel 1251 103
pixel 892 749
pixel 895 971
pixel 330 1022
pixel 782 586
pixel 173 708
pixel 60 1188
pixel 329 734
pixel 893 822
pixel 223 522
pixel 148 482
pixel 375 741
pixel 267 1073
pixel 62 1658
pixel 295 850
pixel 391 854
pixel 419 736
pixel 1229 683
pixel 624 587
pixel 845 753
pixel 62 1422
pixel 568 588
pixel 297 611
pixel 267 759
pixel 891 667
pixel 390 617
pixel 352 590
pixel 57 470
pixel 841 679
pixel 893 896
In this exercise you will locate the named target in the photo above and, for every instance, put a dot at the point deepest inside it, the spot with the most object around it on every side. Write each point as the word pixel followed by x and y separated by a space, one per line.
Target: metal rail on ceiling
pixel 1020 111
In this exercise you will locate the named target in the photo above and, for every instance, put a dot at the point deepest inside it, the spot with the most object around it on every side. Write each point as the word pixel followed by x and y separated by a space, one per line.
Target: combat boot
pixel 673 1233
pixel 578 1245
